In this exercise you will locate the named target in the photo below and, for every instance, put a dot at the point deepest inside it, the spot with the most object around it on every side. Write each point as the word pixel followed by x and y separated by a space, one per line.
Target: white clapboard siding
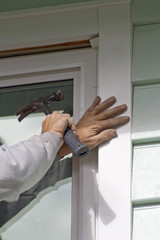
pixel 146 173
pixel 146 54
pixel 146 120
pixel 146 112
pixel 146 11
pixel 146 225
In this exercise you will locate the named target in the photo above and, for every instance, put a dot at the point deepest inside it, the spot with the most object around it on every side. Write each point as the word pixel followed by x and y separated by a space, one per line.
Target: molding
pixel 82 67
pixel 59 9
pixel 46 48
pixel 145 22
pixel 114 164
pixel 20 31
pixel 95 43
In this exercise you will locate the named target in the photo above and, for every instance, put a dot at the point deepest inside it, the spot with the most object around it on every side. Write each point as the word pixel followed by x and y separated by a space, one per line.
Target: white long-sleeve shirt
pixel 24 164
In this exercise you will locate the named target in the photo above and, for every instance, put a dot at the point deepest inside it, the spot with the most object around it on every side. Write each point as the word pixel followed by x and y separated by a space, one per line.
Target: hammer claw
pixel 25 114
pixel 23 110
pixel 42 103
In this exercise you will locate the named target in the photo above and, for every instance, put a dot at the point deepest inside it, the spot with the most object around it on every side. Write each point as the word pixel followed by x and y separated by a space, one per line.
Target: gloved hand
pixel 98 123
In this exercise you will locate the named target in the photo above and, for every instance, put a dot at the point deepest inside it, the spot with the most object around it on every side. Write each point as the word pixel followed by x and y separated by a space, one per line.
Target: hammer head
pixel 40 104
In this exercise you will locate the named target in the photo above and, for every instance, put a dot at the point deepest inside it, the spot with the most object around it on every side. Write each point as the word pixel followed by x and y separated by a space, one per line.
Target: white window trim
pixel 112 22
pixel 81 66
pixel 114 168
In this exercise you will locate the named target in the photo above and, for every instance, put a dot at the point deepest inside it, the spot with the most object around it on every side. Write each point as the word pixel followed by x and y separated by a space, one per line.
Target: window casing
pixel 79 66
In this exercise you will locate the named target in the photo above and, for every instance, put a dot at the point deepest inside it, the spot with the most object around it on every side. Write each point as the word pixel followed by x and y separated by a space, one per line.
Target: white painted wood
pixel 146 56
pixel 146 223
pixel 146 113
pixel 105 215
pixel 46 29
pixel 60 66
pixel 95 43
pixel 114 218
pixel 146 173
pixel 60 8
pixel 87 195
pixel 45 26
pixel 22 70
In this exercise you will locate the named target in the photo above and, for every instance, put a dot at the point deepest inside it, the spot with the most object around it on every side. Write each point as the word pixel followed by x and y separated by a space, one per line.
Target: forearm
pixel 24 164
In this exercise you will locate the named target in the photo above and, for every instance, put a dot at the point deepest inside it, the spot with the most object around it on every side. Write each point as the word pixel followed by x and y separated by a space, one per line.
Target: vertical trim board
pixel 114 215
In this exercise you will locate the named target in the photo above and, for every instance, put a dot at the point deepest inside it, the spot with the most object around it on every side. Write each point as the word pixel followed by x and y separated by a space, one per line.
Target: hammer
pixel 78 148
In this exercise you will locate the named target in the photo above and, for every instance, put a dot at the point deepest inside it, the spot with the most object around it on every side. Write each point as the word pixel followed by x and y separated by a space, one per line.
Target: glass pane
pixel 43 212
pixel 146 222
pixel 146 172
pixel 14 98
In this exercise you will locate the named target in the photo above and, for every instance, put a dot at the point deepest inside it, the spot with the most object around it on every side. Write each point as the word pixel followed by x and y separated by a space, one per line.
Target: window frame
pixel 79 65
